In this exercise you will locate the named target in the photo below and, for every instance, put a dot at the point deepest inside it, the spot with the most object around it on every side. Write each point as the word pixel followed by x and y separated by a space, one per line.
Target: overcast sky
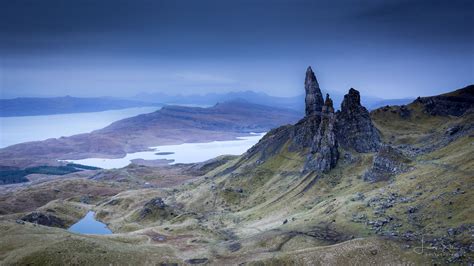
pixel 388 49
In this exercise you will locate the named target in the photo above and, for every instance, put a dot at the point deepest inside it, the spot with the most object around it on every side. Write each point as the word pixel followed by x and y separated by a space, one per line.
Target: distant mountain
pixel 210 99
pixel 169 125
pixel 64 105
pixel 377 103
pixel 294 102
pixel 68 104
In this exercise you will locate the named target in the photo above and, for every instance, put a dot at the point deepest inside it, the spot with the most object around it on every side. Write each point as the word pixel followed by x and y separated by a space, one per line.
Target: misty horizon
pixel 204 94
pixel 390 49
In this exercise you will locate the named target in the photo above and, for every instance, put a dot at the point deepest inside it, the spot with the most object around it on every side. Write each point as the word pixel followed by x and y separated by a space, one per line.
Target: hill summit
pixel 322 131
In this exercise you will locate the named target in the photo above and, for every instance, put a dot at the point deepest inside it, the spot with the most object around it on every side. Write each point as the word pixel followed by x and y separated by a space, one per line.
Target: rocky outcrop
pixel 302 133
pixel 319 134
pixel 386 163
pixel 44 219
pixel 314 98
pixel 155 209
pixel 324 153
pixel 404 112
pixel 354 128
pixel 455 103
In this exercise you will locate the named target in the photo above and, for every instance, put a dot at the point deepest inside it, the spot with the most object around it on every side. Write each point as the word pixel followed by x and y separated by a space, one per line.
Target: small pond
pixel 89 225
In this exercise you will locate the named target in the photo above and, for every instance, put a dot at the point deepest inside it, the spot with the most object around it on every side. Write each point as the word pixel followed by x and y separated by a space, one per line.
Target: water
pixel 182 153
pixel 14 130
pixel 89 225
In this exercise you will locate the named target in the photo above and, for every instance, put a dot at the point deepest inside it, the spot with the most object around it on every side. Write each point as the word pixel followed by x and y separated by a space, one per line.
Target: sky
pixel 88 48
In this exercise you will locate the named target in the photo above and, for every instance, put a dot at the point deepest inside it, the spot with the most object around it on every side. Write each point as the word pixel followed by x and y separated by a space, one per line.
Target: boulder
pixel 404 112
pixel 386 163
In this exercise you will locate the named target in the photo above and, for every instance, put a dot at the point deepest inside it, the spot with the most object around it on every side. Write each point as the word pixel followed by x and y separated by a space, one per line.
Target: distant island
pixel 65 105
pixel 164 153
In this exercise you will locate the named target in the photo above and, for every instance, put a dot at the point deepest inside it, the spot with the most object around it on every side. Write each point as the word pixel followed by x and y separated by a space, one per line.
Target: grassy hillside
pixel 268 211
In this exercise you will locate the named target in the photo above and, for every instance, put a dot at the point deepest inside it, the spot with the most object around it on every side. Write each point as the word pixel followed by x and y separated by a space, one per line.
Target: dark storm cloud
pixel 145 24
pixel 105 47
pixel 438 20
pixel 177 24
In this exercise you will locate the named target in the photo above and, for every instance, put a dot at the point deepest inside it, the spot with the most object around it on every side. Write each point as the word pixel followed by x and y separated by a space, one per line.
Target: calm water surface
pixel 14 130
pixel 182 153
pixel 89 225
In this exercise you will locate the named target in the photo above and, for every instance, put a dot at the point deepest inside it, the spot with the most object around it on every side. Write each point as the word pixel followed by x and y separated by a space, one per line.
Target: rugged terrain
pixel 393 186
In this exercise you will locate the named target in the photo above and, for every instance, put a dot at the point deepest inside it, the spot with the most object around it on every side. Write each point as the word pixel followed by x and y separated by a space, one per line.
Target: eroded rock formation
pixel 324 153
pixel 322 131
pixel 354 128
pixel 314 98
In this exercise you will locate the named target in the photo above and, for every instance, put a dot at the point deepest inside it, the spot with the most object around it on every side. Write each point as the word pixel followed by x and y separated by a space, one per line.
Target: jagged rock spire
pixel 354 125
pixel 328 105
pixel 324 149
pixel 321 133
pixel 351 101
pixel 314 99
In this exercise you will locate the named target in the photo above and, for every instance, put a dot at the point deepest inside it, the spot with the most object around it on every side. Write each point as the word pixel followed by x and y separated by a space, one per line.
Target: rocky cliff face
pixel 354 128
pixel 455 103
pixel 320 133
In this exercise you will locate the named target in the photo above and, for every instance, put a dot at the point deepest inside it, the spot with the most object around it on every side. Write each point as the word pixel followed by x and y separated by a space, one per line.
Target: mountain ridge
pixel 291 102
pixel 170 125
pixel 29 106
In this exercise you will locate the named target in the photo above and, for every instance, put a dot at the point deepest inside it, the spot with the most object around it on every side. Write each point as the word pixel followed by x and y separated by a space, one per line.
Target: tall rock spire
pixel 321 134
pixel 314 99
pixel 324 149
